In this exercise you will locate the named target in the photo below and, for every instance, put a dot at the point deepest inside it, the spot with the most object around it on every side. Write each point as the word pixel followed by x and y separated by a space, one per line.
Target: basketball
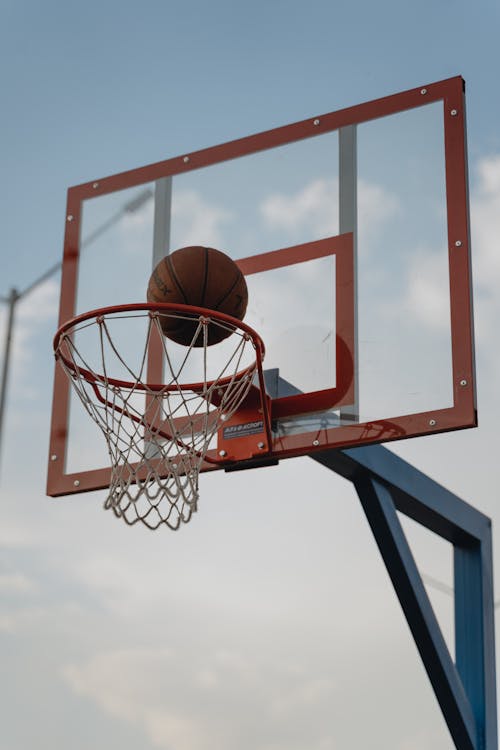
pixel 203 277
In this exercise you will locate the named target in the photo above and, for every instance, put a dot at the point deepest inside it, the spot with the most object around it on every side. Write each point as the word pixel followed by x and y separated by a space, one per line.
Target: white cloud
pixel 123 586
pixel 485 214
pixel 195 221
pixel 58 620
pixel 488 170
pixel 300 700
pixel 7 624
pixel 15 583
pixel 40 305
pixel 14 534
pixel 485 207
pixel 326 743
pixel 170 731
pixel 310 692
pixel 423 737
pixel 123 681
pixel 161 693
pixel 30 312
pixel 315 208
pixel 375 206
pixel 427 293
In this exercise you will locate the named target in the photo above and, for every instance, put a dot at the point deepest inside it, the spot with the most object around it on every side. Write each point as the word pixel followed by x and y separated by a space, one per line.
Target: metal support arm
pixel 466 689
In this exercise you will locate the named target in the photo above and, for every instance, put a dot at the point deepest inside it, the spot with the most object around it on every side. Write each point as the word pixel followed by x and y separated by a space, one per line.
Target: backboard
pixel 352 230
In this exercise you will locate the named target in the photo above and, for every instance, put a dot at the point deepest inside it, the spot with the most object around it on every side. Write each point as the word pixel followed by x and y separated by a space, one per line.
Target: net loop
pixel 158 433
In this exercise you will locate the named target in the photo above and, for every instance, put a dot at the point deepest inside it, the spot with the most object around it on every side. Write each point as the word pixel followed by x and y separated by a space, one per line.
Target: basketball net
pixel 157 435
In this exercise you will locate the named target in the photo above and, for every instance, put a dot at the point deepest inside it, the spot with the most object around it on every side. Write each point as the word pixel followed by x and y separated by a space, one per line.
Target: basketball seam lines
pixel 162 286
pixel 226 295
pixel 170 265
pixel 205 279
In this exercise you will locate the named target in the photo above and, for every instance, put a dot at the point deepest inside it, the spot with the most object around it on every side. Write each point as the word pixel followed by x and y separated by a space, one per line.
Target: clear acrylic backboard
pixel 352 230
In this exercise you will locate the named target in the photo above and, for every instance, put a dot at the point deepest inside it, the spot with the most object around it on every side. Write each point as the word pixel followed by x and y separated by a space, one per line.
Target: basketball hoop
pixel 158 434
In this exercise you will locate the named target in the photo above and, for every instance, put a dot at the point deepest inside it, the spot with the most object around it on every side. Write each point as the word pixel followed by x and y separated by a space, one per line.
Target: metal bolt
pixel 463 383
pixel 316 122
pixel 186 159
pixel 454 112
pixel 223 417
pixel 423 91
pixel 53 457
pixel 95 185
pixel 458 243
pixel 432 422
pixel 70 217
pixel 261 446
pixel 315 442
pixel 222 454
pixel 76 482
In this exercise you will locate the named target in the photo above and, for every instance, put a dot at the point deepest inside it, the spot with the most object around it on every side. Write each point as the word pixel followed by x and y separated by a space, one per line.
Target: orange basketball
pixel 203 277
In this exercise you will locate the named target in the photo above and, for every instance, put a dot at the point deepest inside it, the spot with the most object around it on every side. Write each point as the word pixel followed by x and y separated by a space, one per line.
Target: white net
pixel 157 435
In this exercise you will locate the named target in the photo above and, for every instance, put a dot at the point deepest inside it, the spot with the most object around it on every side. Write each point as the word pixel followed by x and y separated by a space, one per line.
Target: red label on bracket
pixel 243 436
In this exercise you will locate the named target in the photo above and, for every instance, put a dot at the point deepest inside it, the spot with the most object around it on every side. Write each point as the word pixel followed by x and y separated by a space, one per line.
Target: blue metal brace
pixel 466 689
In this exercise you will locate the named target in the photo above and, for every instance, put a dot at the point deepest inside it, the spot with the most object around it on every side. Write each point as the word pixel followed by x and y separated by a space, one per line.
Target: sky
pixel 269 621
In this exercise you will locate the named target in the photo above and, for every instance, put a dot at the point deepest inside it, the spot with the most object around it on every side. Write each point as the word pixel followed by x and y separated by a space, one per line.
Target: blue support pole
pixel 466 688
pixel 389 535
pixel 474 633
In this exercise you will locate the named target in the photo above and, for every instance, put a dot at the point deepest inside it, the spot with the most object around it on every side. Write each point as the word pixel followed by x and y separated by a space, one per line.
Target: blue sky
pixel 277 631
